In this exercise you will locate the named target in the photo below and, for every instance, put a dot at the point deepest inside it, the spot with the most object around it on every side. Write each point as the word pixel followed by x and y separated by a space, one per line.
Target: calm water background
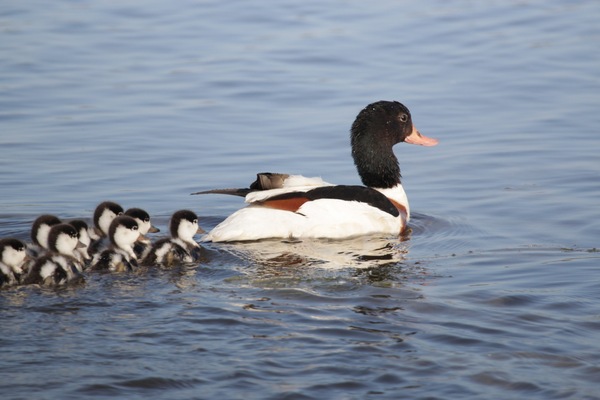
pixel 496 292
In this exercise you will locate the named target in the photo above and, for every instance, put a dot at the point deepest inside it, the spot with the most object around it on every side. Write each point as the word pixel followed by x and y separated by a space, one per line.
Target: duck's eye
pixel 403 118
pixel 135 228
pixel 146 219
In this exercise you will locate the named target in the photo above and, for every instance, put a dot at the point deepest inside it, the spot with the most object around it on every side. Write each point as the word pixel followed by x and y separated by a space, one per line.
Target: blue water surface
pixel 493 294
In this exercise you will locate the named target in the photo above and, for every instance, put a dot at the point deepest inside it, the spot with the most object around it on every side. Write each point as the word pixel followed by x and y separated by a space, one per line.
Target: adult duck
pixel 292 206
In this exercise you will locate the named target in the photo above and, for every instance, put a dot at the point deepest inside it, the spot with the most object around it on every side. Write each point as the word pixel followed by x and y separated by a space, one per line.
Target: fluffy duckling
pixel 122 233
pixel 60 265
pixel 39 233
pixel 13 255
pixel 104 214
pixel 180 247
pixel 82 228
pixel 143 245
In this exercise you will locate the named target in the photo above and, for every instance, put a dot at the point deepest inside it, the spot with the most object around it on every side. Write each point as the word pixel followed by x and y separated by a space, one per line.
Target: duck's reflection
pixel 277 256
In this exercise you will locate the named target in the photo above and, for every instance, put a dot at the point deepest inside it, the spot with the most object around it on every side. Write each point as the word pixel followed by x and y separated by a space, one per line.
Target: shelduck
pixel 180 247
pixel 119 256
pixel 39 234
pixel 293 206
pixel 60 264
pixel 143 244
pixel 104 214
pixel 13 256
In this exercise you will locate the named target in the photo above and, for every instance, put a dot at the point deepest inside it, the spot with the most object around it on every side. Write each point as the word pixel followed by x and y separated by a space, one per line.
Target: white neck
pixel 397 195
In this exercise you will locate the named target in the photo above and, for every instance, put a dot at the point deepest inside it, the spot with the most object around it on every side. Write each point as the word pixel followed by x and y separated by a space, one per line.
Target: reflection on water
pixel 334 254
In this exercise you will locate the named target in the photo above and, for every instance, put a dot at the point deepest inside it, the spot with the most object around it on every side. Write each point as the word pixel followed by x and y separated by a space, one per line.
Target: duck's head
pixel 184 225
pixel 143 220
pixel 123 232
pixel 63 239
pixel 376 129
pixel 41 228
pixel 104 214
pixel 82 230
pixel 13 253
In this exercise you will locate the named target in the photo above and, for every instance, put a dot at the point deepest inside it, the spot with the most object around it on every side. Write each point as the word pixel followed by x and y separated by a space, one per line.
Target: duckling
pixel 13 255
pixel 119 257
pixel 104 213
pixel 180 247
pixel 39 234
pixel 84 238
pixel 60 265
pixel 143 245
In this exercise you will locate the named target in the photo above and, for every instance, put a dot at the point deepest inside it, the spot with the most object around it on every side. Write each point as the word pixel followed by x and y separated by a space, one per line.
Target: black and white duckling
pixel 104 214
pixel 13 255
pixel 60 264
pixel 180 247
pixel 143 245
pixel 82 228
pixel 119 257
pixel 39 234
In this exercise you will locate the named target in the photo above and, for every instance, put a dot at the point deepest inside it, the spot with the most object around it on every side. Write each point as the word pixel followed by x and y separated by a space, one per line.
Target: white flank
pixel 47 269
pixel 324 218
pixel 162 251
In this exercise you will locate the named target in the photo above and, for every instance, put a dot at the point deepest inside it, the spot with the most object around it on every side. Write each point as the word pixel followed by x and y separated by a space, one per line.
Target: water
pixel 494 293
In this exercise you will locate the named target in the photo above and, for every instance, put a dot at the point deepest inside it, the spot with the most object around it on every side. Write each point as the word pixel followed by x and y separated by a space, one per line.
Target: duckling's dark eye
pixel 195 221
pixel 403 118
pixel 146 219
pixel 135 228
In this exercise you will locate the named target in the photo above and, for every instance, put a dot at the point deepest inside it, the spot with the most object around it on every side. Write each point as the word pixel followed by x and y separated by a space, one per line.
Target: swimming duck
pixel 39 234
pixel 180 247
pixel 81 252
pixel 143 245
pixel 104 213
pixel 60 264
pixel 122 233
pixel 13 255
pixel 293 206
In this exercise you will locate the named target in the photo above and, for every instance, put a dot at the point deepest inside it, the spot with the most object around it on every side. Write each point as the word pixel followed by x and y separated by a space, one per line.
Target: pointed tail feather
pixel 264 181
pixel 234 192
